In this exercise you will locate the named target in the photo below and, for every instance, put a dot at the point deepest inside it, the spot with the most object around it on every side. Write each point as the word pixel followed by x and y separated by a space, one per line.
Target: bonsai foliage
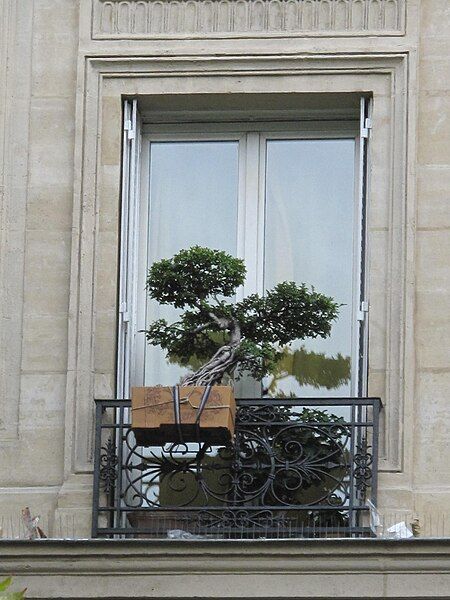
pixel 229 337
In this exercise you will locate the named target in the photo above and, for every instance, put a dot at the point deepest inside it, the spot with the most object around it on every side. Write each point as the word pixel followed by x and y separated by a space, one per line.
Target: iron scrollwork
pixel 276 460
pixel 363 461
pixel 289 467
pixel 108 465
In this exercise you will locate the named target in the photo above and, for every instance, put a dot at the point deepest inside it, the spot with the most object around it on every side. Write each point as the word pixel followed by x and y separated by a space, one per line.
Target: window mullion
pixel 261 213
pixel 250 241
pixel 253 241
pixel 241 216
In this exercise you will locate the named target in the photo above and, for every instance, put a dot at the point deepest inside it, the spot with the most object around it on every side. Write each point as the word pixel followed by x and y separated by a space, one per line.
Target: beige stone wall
pixel 65 66
pixel 431 477
pixel 39 59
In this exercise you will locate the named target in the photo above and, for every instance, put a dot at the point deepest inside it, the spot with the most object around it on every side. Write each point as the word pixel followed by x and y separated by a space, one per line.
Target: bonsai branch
pixel 223 361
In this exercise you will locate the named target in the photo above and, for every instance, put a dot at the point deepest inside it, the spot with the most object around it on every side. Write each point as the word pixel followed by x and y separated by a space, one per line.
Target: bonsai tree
pixel 229 337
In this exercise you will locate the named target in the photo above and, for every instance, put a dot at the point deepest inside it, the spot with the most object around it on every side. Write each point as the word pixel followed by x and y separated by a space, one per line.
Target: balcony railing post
pixel 97 454
pixel 375 433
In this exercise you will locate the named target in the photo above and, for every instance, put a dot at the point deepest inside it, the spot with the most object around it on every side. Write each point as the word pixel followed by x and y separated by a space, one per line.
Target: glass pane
pixel 193 200
pixel 309 239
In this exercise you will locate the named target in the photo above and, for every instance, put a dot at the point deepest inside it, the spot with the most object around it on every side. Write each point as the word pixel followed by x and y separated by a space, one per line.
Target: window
pixel 286 196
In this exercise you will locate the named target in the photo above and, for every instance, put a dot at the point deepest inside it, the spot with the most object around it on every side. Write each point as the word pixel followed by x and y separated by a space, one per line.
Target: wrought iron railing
pixel 296 468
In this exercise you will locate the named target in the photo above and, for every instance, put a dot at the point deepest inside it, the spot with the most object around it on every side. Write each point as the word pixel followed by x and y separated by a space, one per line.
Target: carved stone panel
pixel 174 18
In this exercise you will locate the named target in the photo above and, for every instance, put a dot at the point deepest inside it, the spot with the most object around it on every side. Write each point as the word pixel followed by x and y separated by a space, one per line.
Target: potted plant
pixel 227 338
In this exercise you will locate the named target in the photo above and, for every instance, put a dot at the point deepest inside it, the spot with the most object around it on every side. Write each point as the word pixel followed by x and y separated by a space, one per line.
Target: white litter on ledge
pixel 180 534
pixel 399 531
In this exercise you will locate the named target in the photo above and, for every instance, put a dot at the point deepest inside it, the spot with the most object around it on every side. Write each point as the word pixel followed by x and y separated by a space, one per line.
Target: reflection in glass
pixel 193 201
pixel 309 225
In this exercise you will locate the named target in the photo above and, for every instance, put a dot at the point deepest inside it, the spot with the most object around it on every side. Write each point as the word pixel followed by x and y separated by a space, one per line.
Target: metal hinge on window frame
pixel 365 131
pixel 124 312
pixel 363 310
pixel 131 133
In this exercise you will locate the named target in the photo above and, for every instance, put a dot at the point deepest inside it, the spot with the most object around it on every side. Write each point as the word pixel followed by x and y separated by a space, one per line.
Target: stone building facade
pixel 67 65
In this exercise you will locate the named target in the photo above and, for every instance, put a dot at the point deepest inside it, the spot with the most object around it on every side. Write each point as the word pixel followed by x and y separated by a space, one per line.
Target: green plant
pixel 230 337
pixel 5 595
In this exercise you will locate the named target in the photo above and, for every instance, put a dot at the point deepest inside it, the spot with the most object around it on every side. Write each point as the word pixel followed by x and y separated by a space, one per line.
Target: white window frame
pixel 252 138
pixel 129 253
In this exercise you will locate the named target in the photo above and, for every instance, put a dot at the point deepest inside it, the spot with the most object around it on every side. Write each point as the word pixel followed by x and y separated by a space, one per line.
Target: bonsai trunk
pixel 223 361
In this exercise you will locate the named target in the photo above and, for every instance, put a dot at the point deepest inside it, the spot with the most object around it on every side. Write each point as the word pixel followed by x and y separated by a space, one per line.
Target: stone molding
pixel 106 80
pixel 16 22
pixel 341 568
pixel 123 19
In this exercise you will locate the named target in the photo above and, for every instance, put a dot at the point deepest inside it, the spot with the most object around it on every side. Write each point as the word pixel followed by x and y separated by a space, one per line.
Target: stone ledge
pixel 229 569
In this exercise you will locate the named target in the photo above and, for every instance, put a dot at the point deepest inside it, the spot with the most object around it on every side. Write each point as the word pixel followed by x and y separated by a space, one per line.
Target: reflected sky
pixel 309 233
pixel 193 200
pixel 193 197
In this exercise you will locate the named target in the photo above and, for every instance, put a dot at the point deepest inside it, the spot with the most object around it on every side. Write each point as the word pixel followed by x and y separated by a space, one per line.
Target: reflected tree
pixel 310 368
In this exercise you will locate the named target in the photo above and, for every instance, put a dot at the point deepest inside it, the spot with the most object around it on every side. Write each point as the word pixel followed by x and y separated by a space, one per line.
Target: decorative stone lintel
pixel 171 18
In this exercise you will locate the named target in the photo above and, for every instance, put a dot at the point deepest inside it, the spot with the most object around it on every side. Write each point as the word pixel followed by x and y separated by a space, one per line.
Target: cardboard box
pixel 153 415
